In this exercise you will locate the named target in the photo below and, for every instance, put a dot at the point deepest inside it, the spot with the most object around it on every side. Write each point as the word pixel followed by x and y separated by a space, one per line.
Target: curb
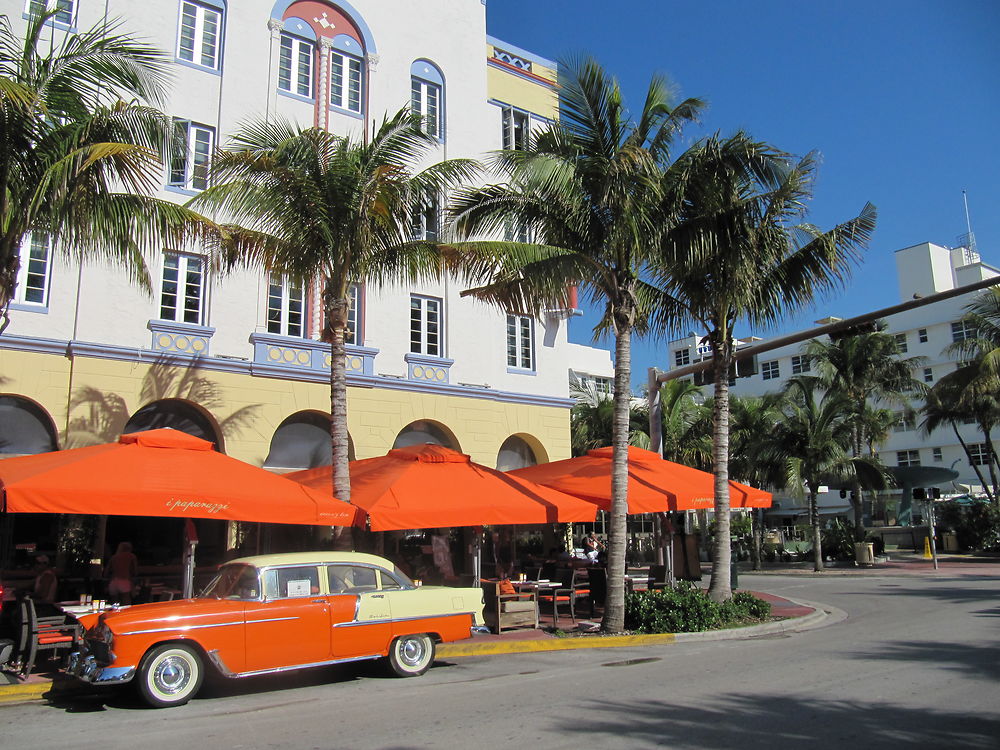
pixel 821 615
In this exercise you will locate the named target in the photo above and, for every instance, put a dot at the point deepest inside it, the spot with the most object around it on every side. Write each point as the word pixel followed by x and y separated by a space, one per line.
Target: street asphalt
pixel 905 658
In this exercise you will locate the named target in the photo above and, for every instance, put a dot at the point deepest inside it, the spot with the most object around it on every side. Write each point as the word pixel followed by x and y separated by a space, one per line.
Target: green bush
pixel 687 609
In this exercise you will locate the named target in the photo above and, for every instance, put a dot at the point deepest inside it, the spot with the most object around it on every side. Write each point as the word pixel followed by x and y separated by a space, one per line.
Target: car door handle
pixel 319 601
pixel 378 596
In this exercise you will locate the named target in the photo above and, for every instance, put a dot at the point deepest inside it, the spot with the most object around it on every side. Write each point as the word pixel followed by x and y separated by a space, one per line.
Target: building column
pixel 323 95
pixel 274 25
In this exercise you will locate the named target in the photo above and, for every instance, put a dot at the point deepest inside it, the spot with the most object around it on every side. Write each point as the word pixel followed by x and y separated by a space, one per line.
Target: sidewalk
pixel 788 614
pixel 897 562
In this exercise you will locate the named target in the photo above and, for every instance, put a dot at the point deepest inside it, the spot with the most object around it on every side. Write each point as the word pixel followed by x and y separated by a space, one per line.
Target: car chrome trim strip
pixel 179 627
pixel 276 670
pixel 382 621
pixel 271 619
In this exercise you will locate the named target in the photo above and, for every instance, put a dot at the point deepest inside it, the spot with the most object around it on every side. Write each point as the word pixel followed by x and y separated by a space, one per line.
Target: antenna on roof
pixel 968 240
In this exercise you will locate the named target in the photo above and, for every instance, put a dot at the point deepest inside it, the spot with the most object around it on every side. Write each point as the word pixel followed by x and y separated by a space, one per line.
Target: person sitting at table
pixel 46 582
pixel 593 546
pixel 122 569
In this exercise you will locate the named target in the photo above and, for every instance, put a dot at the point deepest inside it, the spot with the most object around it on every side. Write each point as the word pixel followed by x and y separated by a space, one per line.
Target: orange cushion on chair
pixel 506 587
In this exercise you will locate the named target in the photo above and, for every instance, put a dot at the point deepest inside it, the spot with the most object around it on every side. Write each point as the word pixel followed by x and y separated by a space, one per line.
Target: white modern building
pixel 237 359
pixel 926 332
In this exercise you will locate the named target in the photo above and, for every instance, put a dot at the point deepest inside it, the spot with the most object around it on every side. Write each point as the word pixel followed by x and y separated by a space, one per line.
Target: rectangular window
pixel 800 364
pixel 904 422
pixel 191 155
pixel 682 357
pixel 908 458
pixel 425 326
pixel 937 455
pixel 35 270
pixel 979 454
pixel 900 339
pixel 922 335
pixel 770 370
pixel 425 219
pixel 353 315
pixel 65 10
pixel 515 128
pixel 604 386
pixel 425 100
pixel 962 330
pixel 520 342
pixel 286 307
pixel 345 81
pixel 295 66
pixel 182 288
pixel 928 375
pixel 198 40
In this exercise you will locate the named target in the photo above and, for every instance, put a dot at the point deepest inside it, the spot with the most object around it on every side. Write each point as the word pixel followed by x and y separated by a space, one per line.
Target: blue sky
pixel 901 99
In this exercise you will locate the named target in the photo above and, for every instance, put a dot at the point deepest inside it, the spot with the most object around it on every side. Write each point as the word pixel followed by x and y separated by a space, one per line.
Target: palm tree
pixel 814 436
pixel 735 253
pixel 314 206
pixel 588 188
pixel 864 367
pixel 592 419
pixel 683 434
pixel 82 148
pixel 945 403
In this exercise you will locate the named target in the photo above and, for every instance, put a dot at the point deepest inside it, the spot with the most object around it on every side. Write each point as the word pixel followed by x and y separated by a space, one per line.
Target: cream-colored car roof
pixel 314 558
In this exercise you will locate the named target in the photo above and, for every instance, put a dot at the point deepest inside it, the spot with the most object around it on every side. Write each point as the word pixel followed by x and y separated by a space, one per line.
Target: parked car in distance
pixel 275 613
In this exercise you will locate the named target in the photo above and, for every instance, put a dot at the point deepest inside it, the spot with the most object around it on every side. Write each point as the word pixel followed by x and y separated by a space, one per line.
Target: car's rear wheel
pixel 411 655
pixel 170 675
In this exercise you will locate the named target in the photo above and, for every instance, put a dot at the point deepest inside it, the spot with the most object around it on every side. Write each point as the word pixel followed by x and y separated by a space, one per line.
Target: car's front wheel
pixel 411 655
pixel 170 675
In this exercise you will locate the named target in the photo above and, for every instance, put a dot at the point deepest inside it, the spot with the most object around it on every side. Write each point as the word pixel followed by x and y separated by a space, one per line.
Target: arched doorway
pixel 426 431
pixel 519 451
pixel 302 441
pixel 25 428
pixel 179 415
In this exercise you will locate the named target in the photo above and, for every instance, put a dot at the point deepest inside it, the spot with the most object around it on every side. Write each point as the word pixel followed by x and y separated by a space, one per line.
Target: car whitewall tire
pixel 411 655
pixel 170 675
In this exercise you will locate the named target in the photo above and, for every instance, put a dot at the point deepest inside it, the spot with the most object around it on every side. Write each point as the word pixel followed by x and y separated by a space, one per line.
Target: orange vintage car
pixel 275 613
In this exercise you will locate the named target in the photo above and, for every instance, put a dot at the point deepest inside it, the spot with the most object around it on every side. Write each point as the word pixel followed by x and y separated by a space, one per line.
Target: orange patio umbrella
pixel 164 473
pixel 654 485
pixel 427 486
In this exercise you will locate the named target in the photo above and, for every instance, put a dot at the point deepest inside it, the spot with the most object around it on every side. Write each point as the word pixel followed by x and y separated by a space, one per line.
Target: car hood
pixel 185 612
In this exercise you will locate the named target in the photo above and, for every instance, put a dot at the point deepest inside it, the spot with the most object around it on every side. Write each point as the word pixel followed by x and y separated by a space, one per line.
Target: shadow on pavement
pixel 969 659
pixel 945 593
pixel 764 721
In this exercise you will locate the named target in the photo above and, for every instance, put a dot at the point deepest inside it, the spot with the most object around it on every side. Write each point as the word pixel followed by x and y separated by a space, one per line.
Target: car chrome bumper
pixel 479 630
pixel 85 667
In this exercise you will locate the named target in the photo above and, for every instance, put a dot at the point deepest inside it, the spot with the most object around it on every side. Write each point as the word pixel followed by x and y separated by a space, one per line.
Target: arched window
pixel 25 428
pixel 427 96
pixel 515 453
pixel 178 415
pixel 425 431
pixel 302 441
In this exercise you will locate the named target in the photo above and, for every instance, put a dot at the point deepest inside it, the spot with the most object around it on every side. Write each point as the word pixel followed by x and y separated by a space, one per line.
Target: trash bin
pixel 864 553
pixel 950 540
pixel 734 575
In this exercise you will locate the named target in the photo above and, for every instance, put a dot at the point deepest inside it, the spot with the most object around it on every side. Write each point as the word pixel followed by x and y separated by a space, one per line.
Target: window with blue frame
pixel 296 59
pixel 65 10
pixel 182 288
pixel 427 97
pixel 35 270
pixel 286 307
pixel 520 342
pixel 347 74
pixel 200 34
pixel 191 155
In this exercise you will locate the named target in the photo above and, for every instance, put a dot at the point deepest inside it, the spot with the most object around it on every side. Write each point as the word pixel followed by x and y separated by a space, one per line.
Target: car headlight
pixel 101 632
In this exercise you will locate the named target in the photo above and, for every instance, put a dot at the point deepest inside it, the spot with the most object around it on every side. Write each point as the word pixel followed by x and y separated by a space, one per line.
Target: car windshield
pixel 233 582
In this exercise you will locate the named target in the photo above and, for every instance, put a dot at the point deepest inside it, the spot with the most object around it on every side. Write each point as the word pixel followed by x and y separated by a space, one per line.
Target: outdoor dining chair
pixel 47 633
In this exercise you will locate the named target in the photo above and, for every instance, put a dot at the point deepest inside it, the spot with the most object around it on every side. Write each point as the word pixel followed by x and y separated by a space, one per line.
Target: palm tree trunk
pixel 857 501
pixel 973 464
pixel 614 609
pixel 721 587
pixel 814 521
pixel 336 310
pixel 990 456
